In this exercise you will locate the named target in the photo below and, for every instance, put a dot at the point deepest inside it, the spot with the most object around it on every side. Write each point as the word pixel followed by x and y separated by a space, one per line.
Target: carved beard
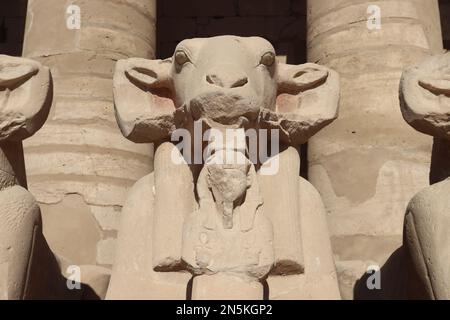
pixel 227 215
pixel 227 207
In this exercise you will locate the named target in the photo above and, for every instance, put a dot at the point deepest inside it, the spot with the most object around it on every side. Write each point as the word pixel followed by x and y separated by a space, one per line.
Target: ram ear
pixel 143 99
pixel 436 86
pixel 425 96
pixel 307 101
pixel 26 94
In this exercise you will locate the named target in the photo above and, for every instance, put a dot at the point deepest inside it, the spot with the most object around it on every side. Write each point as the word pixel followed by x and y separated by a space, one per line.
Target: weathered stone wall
pixel 282 22
pixel 12 25
pixel 79 166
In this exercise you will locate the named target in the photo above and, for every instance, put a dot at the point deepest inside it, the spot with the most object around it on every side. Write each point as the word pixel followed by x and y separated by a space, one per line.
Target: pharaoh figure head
pixel 228 176
pixel 224 81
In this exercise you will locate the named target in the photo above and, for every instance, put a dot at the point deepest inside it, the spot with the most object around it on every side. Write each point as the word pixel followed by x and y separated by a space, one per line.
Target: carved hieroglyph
pixel 223 224
pixel 25 99
pixel 425 104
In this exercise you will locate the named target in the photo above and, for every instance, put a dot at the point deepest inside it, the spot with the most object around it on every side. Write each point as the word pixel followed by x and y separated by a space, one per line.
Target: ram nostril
pixel 240 83
pixel 213 79
pixel 227 81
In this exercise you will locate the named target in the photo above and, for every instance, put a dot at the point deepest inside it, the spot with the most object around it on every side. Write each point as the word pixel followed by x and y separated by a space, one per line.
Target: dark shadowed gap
pixel 12 26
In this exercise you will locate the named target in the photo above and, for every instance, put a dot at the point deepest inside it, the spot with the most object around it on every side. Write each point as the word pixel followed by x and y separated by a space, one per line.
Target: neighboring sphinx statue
pixel 28 268
pixel 425 103
pixel 220 228
pixel 25 99
pixel 228 235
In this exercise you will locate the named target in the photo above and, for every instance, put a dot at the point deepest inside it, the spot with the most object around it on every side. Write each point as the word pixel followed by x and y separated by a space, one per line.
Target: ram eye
pixel 181 57
pixel 268 59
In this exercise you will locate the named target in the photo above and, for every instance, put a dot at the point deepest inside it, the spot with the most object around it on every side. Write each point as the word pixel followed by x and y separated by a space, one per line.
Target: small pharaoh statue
pixel 229 235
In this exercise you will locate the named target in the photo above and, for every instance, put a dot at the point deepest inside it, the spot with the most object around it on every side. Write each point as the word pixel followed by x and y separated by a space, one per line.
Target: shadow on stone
pixel 399 281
